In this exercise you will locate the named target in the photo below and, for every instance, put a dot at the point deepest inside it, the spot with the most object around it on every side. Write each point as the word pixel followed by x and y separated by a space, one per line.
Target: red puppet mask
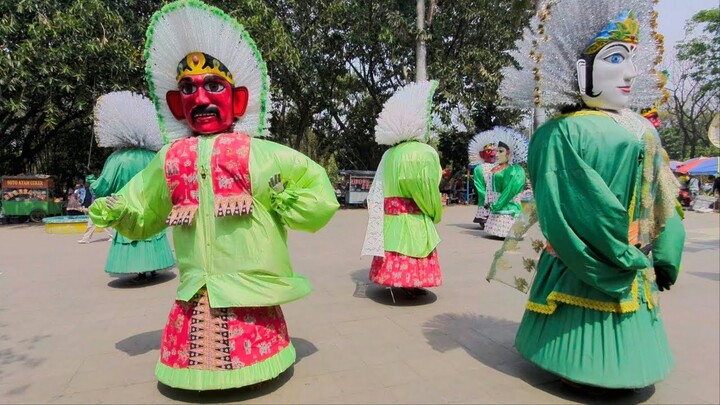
pixel 652 116
pixel 205 96
pixel 488 154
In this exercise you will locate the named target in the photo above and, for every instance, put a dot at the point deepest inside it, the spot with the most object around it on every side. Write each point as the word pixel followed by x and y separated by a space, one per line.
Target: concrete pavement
pixel 69 333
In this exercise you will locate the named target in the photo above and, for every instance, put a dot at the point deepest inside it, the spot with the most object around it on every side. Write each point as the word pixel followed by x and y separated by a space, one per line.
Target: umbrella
pixel 674 164
pixel 687 165
pixel 707 166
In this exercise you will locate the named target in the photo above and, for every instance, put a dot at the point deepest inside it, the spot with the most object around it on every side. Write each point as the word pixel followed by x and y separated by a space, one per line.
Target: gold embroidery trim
pixel 648 295
pixel 580 113
pixel 557 297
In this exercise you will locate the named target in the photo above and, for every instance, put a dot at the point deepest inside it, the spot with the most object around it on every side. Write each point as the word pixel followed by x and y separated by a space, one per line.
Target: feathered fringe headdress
pixel 516 141
pixel 192 26
pixel 406 114
pixel 555 40
pixel 477 144
pixel 520 85
pixel 126 120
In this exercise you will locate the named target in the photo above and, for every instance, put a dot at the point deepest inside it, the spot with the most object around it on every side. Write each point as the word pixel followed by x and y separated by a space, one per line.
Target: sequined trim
pixel 557 297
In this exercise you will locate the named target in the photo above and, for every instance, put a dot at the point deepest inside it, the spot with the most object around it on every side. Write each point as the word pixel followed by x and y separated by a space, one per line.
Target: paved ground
pixel 71 334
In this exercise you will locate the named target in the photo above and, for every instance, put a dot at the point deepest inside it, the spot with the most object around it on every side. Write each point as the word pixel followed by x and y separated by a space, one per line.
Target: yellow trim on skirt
pixel 557 297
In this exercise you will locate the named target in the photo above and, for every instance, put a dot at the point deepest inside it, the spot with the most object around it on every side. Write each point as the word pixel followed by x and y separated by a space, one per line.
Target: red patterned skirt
pixel 207 348
pixel 398 270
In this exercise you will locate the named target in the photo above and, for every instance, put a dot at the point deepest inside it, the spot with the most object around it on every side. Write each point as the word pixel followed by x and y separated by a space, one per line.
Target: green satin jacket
pixel 509 182
pixel 584 170
pixel 242 260
pixel 119 169
pixel 412 170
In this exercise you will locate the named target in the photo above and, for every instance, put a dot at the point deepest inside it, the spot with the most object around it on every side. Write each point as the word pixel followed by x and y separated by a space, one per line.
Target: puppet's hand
pixel 662 279
pixel 276 183
pixel 113 201
pixel 107 210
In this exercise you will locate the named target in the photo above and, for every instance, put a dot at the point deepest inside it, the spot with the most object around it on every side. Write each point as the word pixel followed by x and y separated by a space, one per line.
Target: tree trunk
pixel 420 56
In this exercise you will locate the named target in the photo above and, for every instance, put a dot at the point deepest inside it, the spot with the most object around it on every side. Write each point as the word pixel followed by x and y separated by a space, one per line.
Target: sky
pixel 673 14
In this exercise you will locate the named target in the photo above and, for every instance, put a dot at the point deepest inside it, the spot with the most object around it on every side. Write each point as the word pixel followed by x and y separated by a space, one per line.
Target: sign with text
pixel 24 183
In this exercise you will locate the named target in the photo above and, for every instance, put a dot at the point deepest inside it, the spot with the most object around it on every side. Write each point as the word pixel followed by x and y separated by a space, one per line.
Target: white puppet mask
pixel 606 71
pixel 613 73
pixel 502 154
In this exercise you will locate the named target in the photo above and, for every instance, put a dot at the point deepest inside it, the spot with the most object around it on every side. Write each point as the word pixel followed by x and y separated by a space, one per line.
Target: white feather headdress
pixel 478 143
pixel 518 85
pixel 192 26
pixel 555 40
pixel 126 120
pixel 516 141
pixel 406 114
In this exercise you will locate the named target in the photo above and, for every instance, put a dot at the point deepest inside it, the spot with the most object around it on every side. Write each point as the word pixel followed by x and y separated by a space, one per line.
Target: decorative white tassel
pixel 406 114
pixel 126 120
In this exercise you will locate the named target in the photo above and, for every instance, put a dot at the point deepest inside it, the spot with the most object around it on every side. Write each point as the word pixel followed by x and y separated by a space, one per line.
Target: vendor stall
pixel 29 196
pixel 354 186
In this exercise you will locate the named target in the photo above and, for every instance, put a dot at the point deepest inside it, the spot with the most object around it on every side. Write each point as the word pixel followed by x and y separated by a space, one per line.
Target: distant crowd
pixel 79 198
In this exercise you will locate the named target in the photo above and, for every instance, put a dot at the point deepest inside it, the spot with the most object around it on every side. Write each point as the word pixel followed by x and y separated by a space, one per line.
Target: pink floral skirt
pixel 221 339
pixel 397 270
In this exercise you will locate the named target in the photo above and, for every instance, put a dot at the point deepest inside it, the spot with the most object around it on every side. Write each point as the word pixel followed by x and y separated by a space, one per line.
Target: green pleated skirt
pixel 603 349
pixel 128 256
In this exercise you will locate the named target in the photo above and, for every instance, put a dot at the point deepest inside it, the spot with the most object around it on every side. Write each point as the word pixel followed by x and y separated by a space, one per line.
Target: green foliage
pixel 58 58
pixel 466 53
pixel 703 51
pixel 332 65
pixel 695 89
pixel 680 149
pixel 331 168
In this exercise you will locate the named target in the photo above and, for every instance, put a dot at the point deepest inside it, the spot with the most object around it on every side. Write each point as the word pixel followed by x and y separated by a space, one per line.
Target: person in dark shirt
pixel 716 191
pixel 88 199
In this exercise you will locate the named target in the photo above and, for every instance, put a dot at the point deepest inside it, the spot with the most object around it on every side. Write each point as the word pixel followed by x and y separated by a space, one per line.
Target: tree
pixel 332 64
pixel 703 50
pixel 467 51
pixel 58 59
pixel 692 106
pixel 695 89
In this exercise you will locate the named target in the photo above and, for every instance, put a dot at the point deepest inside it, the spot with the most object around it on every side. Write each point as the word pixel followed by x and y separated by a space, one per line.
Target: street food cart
pixel 355 186
pixel 29 196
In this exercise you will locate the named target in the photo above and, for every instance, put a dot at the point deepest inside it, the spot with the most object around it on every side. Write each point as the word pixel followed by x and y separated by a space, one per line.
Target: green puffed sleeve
pixel 668 247
pixel 308 201
pixel 479 181
pixel 143 206
pixel 512 183
pixel 579 215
